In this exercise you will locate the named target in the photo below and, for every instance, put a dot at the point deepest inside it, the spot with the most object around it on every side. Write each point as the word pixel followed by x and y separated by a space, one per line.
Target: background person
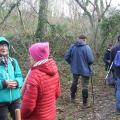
pixel 115 58
pixel 113 52
pixel 80 57
pixel 106 57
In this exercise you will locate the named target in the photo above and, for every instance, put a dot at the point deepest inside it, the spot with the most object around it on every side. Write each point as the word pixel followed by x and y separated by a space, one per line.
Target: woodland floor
pixel 103 107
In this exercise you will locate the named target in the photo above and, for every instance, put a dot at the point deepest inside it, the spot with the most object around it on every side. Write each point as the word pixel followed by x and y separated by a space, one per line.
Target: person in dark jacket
pixel 116 73
pixel 80 57
pixel 106 57
pixel 113 52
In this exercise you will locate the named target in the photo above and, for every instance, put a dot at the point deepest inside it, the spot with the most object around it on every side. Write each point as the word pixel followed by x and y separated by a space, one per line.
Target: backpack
pixel 116 61
pixel 12 62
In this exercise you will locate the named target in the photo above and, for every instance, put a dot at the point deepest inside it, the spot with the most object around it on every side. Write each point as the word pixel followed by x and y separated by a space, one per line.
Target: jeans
pixel 5 108
pixel 85 83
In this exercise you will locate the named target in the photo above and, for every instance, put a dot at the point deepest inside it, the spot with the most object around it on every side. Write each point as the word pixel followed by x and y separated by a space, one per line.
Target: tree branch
pixel 21 20
pixel 2 3
pixel 107 7
pixel 31 6
pixel 86 11
pixel 10 10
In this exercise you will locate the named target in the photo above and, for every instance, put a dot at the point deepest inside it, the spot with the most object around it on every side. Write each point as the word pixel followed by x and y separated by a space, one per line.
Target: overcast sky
pixel 115 2
pixel 61 6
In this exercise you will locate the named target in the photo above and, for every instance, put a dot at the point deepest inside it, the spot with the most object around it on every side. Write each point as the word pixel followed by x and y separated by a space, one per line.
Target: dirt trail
pixel 103 108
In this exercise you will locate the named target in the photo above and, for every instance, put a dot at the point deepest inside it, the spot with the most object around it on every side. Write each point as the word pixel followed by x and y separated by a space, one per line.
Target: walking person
pixel 115 48
pixel 42 85
pixel 10 82
pixel 106 57
pixel 109 80
pixel 115 58
pixel 80 57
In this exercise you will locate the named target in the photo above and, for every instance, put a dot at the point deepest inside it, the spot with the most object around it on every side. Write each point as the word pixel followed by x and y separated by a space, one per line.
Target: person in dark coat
pixel 106 57
pixel 116 69
pixel 113 52
pixel 80 57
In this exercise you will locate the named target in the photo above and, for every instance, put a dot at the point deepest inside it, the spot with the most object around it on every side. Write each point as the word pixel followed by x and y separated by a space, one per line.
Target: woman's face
pixel 3 49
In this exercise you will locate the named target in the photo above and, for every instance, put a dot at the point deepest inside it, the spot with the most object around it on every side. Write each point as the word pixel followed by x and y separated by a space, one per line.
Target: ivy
pixel 110 25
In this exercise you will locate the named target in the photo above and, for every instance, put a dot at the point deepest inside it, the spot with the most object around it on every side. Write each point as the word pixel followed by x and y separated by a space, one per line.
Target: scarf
pixel 4 61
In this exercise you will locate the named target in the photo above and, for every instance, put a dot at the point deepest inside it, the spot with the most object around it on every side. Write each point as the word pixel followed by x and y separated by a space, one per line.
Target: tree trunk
pixel 95 16
pixel 42 19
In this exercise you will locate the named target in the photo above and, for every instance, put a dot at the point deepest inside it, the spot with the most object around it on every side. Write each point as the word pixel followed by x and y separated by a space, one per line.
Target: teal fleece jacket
pixel 12 73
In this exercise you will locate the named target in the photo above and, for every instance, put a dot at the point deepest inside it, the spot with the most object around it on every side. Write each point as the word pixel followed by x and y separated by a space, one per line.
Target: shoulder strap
pixel 13 62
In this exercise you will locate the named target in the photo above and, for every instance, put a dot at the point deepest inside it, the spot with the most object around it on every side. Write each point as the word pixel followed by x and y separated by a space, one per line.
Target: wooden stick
pixel 18 114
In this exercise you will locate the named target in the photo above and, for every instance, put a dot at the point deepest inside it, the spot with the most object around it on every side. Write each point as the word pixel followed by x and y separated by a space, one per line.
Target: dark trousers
pixel 85 83
pixel 117 72
pixel 5 108
pixel 116 77
pixel 107 66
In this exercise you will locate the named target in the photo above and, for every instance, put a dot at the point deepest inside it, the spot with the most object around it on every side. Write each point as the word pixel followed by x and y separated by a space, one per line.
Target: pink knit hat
pixel 39 51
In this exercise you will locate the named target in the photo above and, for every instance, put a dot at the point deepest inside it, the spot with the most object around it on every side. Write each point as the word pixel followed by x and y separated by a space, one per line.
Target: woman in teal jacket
pixel 11 81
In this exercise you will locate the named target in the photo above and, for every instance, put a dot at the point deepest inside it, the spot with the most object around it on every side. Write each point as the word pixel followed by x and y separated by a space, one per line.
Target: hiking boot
pixel 86 106
pixel 85 101
pixel 72 100
pixel 85 97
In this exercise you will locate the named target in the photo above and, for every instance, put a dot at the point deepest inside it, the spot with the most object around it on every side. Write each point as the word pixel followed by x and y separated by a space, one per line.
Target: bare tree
pixel 2 3
pixel 95 10
pixel 10 10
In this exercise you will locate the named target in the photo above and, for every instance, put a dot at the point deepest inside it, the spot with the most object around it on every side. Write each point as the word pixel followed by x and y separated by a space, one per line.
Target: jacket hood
pixel 79 42
pixel 3 39
pixel 50 67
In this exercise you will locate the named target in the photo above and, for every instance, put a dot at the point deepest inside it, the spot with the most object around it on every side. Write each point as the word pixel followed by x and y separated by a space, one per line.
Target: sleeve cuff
pixel 17 84
pixel 4 84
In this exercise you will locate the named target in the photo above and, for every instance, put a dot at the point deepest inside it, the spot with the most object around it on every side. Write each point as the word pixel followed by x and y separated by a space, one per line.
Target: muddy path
pixel 102 107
